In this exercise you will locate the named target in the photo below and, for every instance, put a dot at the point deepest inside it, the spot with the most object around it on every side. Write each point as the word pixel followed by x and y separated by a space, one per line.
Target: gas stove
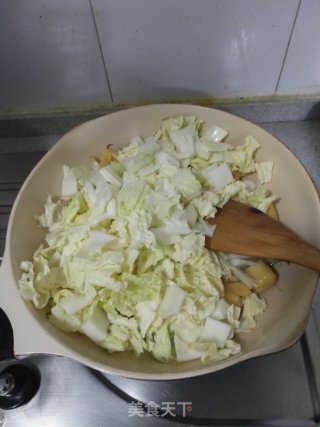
pixel 282 389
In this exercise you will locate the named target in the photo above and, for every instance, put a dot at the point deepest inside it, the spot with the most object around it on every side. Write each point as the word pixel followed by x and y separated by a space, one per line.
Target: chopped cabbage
pixel 124 259
pixel 264 171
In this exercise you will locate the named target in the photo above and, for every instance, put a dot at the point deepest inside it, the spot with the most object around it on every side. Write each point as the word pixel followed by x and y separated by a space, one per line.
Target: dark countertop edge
pixel 58 122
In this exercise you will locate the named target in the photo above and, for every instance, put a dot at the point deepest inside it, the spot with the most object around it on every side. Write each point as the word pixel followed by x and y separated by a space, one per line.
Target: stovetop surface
pixel 277 390
pixel 280 390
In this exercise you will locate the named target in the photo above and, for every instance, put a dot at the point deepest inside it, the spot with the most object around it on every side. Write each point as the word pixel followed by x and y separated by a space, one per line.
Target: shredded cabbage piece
pixel 124 259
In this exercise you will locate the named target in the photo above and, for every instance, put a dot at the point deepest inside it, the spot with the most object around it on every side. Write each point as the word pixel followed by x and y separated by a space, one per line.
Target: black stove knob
pixel 19 383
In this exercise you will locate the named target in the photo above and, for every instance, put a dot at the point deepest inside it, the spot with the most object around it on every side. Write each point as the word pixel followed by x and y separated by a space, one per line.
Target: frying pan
pixel 289 302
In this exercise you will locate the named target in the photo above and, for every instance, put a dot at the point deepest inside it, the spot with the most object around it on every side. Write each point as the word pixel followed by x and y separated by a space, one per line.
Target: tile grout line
pixel 288 45
pixel 101 52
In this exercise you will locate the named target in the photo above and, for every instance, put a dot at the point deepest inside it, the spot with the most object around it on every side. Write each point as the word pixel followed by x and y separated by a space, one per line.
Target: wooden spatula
pixel 243 230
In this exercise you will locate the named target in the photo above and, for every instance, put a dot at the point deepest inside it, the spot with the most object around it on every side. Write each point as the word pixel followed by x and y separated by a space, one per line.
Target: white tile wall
pixel 49 55
pixel 301 71
pixel 154 50
pixel 187 48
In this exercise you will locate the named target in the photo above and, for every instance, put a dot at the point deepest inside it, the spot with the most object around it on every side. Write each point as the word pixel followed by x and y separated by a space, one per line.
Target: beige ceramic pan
pixel 288 304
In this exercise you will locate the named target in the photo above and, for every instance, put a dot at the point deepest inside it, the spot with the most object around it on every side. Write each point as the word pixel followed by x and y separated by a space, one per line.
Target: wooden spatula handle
pixel 243 230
